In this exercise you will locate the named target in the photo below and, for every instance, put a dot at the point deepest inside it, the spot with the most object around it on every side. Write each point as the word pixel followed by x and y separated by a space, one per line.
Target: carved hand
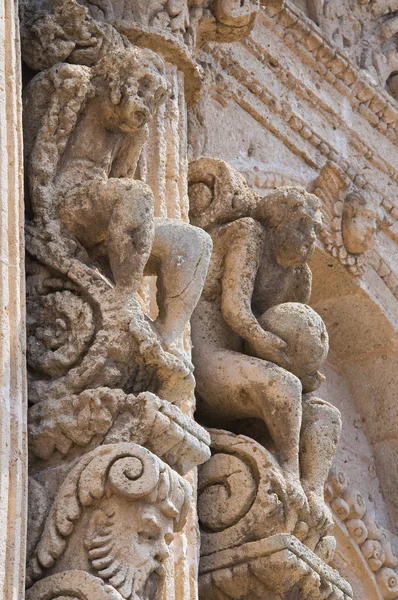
pixel 270 347
pixel 312 382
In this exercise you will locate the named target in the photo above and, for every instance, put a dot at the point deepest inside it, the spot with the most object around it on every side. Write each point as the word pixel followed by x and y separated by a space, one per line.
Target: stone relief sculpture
pixel 349 218
pixel 82 31
pixel 114 516
pixel 73 184
pixel 258 348
pixel 365 30
pixel 365 539
pixel 102 375
pixel 109 437
pixel 109 441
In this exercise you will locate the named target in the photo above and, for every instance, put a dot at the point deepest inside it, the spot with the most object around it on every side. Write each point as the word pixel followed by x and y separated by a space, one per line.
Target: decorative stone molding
pixel 333 64
pixel 279 566
pixel 365 31
pixel 86 30
pixel 102 416
pixel 13 393
pixel 230 80
pixel 355 520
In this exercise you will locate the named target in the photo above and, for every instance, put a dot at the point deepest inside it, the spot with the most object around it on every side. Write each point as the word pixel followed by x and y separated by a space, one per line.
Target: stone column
pixel 13 456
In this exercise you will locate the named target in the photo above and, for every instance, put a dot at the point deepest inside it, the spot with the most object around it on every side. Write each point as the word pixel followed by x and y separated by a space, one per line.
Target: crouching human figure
pixel 257 345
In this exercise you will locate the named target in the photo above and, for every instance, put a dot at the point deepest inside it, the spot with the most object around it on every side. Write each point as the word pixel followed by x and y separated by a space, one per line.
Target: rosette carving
pixel 60 328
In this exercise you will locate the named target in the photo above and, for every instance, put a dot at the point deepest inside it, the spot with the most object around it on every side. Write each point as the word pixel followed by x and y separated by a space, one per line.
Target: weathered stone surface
pixel 366 545
pixel 113 515
pixel 118 95
pixel 257 346
pixel 100 504
pixel 13 392
pixel 278 567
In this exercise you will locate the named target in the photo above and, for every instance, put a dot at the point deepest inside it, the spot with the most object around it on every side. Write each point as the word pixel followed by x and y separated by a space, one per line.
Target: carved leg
pixel 131 231
pixel 180 257
pixel 117 211
pixel 237 386
pixel 320 435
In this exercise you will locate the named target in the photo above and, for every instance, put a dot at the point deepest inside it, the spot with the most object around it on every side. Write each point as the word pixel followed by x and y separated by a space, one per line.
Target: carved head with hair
pixel 358 222
pixel 130 85
pixel 294 219
pixel 114 516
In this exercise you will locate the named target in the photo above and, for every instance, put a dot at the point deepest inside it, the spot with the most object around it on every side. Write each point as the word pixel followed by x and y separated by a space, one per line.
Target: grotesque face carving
pixel 294 221
pixel 127 544
pixel 130 86
pixel 358 224
pixel 294 239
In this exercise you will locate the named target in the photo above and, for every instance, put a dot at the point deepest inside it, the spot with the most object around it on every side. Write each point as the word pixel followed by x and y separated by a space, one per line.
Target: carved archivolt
pixel 356 524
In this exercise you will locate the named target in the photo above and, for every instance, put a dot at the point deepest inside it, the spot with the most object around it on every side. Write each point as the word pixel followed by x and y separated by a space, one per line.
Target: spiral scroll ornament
pixel 60 327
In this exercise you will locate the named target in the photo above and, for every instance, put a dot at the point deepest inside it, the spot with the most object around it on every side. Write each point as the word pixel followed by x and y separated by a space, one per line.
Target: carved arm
pixel 245 243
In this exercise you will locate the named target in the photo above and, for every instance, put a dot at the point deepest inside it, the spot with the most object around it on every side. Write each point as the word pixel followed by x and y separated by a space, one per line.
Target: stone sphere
pixel 304 332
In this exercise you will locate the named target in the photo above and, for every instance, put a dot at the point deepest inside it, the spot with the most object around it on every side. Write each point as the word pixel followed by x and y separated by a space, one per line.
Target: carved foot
pixel 320 519
pixel 296 495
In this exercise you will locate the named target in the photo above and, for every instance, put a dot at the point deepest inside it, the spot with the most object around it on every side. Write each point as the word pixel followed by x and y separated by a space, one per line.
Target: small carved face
pixel 130 87
pixel 136 538
pixel 141 95
pixel 358 224
pixel 294 238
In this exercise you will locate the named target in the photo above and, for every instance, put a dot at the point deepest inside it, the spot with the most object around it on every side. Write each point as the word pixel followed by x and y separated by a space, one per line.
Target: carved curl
pixel 124 469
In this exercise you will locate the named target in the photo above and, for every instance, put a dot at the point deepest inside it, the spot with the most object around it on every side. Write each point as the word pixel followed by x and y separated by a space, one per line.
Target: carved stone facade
pixel 211 280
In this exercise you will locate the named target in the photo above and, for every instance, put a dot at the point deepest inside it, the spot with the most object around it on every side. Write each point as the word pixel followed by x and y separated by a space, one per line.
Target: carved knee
pixel 203 239
pixel 133 201
pixel 316 409
pixel 276 385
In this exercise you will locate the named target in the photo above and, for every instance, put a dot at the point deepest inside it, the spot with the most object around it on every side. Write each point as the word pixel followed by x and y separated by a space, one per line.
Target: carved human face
pixel 131 96
pixel 358 225
pixel 294 239
pixel 132 561
pixel 141 95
